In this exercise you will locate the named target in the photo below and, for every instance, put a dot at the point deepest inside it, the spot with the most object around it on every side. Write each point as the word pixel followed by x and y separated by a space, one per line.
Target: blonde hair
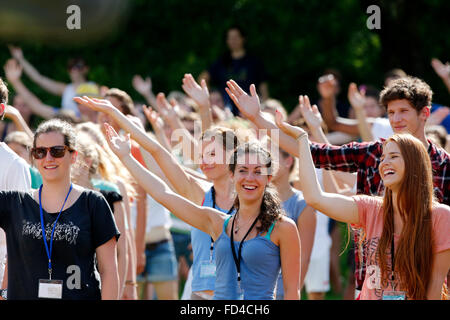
pixel 109 167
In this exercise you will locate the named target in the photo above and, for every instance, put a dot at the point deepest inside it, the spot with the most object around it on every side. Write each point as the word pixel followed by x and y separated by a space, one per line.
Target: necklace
pixel 237 226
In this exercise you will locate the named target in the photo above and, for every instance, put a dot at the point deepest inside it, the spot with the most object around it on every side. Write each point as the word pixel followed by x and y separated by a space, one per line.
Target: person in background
pixel 14 175
pixel 236 64
pixel 76 68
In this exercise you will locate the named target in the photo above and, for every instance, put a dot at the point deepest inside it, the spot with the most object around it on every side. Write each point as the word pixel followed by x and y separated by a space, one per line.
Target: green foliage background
pixel 295 39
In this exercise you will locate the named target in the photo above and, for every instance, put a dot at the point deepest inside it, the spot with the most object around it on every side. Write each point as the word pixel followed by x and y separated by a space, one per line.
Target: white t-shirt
pixel 381 128
pixel 66 101
pixel 157 216
pixel 322 239
pixel 14 175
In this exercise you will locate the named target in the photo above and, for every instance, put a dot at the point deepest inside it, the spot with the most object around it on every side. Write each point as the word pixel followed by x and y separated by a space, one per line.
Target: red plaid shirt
pixel 364 159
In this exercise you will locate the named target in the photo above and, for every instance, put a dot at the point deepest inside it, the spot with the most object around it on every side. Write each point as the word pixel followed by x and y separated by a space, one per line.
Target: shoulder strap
pixel 267 236
pixel 225 224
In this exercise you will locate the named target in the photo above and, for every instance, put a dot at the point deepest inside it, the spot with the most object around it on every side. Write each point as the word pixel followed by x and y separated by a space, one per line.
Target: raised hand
pixel 311 114
pixel 438 116
pixel 142 86
pixel 199 93
pixel 153 117
pixel 167 110
pixel 357 98
pixel 11 112
pixel 16 52
pixel 119 145
pixel 248 105
pixel 442 70
pixel 13 70
pixel 101 105
pixel 293 131
pixel 327 86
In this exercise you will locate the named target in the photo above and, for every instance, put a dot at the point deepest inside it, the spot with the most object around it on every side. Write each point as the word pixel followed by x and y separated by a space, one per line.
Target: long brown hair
pixel 271 209
pixel 414 252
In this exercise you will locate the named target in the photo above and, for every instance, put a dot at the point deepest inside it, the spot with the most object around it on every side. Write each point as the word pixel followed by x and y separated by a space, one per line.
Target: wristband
pixel 131 283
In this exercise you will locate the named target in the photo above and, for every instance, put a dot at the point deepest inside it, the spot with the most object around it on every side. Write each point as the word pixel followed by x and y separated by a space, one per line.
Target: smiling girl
pixel 251 245
pixel 408 246
pixel 60 262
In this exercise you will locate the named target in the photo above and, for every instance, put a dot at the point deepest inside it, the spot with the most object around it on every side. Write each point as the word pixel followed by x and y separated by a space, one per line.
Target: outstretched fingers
pixel 288 129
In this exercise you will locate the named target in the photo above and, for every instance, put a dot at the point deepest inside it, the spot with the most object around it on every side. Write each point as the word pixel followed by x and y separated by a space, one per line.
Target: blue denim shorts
pixel 161 263
pixel 181 242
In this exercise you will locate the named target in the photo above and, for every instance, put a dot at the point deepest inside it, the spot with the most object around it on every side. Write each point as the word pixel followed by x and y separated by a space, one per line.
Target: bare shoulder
pixel 285 229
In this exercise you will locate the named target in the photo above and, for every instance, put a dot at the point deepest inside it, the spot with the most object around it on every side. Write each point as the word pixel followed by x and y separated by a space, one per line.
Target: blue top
pixel 260 266
pixel 201 244
pixel 293 207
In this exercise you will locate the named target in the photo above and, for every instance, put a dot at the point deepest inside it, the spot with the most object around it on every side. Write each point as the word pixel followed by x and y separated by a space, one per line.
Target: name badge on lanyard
pixel 48 288
pixel 393 295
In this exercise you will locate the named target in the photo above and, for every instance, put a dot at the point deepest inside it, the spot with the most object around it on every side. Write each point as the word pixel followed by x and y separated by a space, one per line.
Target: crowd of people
pixel 218 192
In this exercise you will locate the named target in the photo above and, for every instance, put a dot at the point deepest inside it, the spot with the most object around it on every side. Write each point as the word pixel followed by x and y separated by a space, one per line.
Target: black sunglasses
pixel 55 152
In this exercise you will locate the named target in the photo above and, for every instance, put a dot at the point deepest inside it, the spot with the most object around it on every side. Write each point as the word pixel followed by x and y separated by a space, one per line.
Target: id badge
pixel 50 289
pixel 394 295
pixel 240 293
pixel 207 269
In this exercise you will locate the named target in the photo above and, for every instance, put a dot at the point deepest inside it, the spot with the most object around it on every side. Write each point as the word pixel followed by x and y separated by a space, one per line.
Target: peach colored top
pixel 371 220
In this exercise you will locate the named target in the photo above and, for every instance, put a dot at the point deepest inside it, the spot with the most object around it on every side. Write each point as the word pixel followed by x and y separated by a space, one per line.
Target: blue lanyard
pixel 49 252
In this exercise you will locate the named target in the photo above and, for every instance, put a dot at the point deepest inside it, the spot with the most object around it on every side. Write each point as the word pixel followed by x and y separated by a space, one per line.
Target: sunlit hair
pixel 225 136
pixel 271 209
pixel 3 92
pixel 416 91
pixel 125 100
pixel 60 126
pixel 414 252
pixel 110 167
pixel 87 148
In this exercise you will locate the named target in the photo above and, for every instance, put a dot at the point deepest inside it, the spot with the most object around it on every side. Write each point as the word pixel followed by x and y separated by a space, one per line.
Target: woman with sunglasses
pixel 408 245
pixel 79 227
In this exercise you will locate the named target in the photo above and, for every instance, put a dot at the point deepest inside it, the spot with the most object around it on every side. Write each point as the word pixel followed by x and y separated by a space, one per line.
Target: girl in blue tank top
pixel 261 239
pixel 217 145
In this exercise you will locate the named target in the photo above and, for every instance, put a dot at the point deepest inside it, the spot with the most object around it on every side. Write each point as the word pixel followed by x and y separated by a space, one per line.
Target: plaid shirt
pixel 364 159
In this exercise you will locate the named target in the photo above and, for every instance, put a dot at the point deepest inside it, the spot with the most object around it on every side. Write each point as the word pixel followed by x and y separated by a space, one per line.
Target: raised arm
pixel 20 123
pixel 144 87
pixel 250 108
pixel 442 70
pixel 336 206
pixel 158 126
pixel 171 116
pixel 357 100
pixel 13 72
pixel 346 158
pixel 184 184
pixel 52 86
pixel 206 219
pixel 200 94
pixel 333 181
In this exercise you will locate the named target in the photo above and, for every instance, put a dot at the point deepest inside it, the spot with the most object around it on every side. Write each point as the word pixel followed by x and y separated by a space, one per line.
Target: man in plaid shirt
pixel 408 104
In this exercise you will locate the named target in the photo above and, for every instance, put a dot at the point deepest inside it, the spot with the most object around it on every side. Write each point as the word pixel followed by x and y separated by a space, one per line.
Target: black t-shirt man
pixel 245 71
